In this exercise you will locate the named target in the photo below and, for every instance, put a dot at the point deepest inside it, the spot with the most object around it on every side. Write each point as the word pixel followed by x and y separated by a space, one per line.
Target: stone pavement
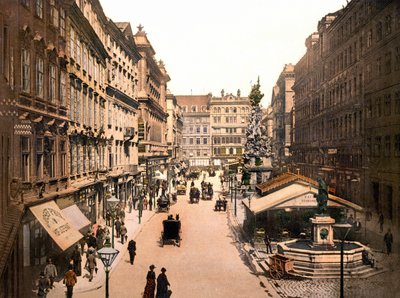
pixel 83 284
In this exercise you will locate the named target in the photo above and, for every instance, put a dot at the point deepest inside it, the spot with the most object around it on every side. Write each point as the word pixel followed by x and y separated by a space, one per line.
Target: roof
pixel 296 195
pixel 282 180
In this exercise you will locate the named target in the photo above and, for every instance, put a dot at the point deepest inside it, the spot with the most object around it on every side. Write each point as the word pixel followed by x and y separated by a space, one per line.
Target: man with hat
pixel 162 285
pixel 50 271
pixel 150 284
pixel 43 284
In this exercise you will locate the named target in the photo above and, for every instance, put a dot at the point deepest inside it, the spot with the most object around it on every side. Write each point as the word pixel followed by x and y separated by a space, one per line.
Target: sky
pixel 211 45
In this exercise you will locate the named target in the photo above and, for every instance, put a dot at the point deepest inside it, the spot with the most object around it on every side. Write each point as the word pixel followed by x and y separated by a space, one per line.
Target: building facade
pixel 282 104
pixel 229 118
pixel 347 105
pixel 196 143
pixel 174 129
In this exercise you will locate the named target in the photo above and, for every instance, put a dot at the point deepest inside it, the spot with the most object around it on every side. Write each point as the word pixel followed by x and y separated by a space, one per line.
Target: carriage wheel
pixel 275 273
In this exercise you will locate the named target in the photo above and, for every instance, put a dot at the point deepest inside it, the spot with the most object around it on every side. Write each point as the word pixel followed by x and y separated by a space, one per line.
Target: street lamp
pixel 342 229
pixel 112 203
pixel 107 256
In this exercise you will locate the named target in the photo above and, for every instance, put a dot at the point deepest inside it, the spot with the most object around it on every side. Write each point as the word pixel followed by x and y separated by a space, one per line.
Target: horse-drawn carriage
pixel 171 232
pixel 220 204
pixel 163 204
pixel 181 187
pixel 280 266
pixel 207 191
pixel 194 195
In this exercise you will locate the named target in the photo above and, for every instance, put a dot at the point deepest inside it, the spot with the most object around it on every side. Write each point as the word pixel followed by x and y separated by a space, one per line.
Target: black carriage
pixel 220 205
pixel 171 232
pixel 181 187
pixel 207 192
pixel 194 195
pixel 163 204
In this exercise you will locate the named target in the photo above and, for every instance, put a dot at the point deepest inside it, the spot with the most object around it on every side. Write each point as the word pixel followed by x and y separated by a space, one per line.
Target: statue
pixel 322 196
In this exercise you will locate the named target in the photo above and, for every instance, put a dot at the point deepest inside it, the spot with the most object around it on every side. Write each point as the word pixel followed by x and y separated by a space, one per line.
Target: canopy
pixel 76 217
pixel 295 195
pixel 56 224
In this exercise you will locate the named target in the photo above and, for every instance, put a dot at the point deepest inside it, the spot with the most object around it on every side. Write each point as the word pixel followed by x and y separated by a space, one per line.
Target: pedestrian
pixel 381 221
pixel 82 243
pixel 50 271
pixel 92 241
pixel 123 232
pixel 162 285
pixel 108 218
pixel 388 238
pixel 70 280
pixel 117 225
pixel 350 220
pixel 267 242
pixel 150 283
pixel 132 250
pixel 122 214
pixel 130 205
pixel 150 203
pixel 43 284
pixel 91 264
pixel 77 261
pixel 145 202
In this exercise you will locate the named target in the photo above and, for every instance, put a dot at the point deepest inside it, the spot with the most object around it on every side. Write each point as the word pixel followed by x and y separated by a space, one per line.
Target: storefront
pixel 48 231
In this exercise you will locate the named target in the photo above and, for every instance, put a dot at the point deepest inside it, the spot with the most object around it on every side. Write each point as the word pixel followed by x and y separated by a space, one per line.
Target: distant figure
pixel 117 225
pixel 388 238
pixel 162 284
pixel 42 285
pixel 77 261
pixel 368 257
pixel 132 250
pixel 124 232
pixel 91 264
pixel 267 242
pixel 381 221
pixel 70 280
pixel 150 283
pixel 50 271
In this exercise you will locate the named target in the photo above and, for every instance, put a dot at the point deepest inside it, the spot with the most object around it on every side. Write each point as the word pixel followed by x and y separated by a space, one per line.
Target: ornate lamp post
pixel 107 256
pixel 112 203
pixel 342 229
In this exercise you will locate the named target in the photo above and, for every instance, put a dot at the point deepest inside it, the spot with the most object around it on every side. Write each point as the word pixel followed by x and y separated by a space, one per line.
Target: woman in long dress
pixel 151 283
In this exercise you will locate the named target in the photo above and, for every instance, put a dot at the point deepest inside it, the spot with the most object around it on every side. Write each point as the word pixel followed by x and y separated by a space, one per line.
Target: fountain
pixel 319 257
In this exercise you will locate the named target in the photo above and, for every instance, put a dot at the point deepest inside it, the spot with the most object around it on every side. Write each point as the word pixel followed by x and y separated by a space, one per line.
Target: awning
pixel 76 217
pixel 56 224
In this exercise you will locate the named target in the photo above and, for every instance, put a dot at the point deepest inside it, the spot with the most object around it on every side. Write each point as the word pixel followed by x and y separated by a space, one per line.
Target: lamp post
pixel 140 188
pixel 107 256
pixel 342 229
pixel 112 203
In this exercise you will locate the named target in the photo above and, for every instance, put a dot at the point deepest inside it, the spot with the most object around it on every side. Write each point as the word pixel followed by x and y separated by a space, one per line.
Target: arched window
pixel 231 151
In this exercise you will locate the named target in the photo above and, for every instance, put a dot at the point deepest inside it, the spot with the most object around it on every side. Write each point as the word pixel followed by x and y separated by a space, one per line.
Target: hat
pixel 152 267
pixel 163 269
pixel 41 273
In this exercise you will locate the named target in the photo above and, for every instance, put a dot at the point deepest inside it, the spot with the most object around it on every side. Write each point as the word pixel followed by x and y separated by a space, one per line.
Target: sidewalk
pixel 83 284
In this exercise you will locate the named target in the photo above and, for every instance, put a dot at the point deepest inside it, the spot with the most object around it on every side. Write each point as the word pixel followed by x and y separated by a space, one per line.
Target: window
pixel 72 103
pixel 197 141
pixel 193 108
pixel 387 146
pixel 25 158
pixel 78 51
pixel 39 77
pixel 397 145
pixel 84 57
pixel 379 31
pixel 388 24
pixel 63 88
pixel 388 63
pixel 369 39
pixel 53 13
pixel 205 141
pixel 25 3
pixel 388 105
pixel 62 22
pixel 377 146
pixel 205 129
pixel 26 70
pixel 191 141
pixel 39 8
pixel 72 43
pixel 52 82
pixel 198 129
pixel 39 158
pixel 109 113
pixel 49 156
pixel 63 158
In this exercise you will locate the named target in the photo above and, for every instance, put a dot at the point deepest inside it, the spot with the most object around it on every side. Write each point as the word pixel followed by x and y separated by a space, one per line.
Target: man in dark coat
pixel 132 250
pixel 388 238
pixel 117 225
pixel 162 284
pixel 77 261
pixel 43 285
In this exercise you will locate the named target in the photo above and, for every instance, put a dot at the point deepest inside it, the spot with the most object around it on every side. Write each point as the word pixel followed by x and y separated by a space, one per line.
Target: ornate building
pixel 282 103
pixel 152 117
pixel 229 118
pixel 174 128
pixel 196 145
pixel 347 105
